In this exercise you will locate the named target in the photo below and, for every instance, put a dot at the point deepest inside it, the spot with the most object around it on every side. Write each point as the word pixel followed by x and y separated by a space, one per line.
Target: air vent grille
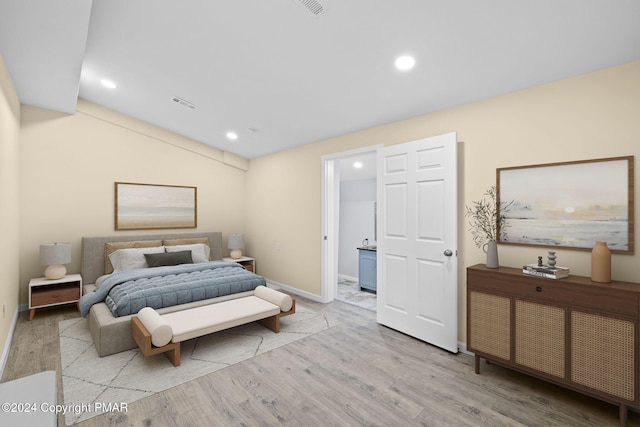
pixel 184 103
pixel 313 6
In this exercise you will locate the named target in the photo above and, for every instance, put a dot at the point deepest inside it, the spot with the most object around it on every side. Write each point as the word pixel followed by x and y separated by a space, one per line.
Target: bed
pixel 110 261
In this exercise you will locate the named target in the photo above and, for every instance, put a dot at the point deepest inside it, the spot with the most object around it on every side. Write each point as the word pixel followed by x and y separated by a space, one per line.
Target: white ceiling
pixel 367 170
pixel 293 76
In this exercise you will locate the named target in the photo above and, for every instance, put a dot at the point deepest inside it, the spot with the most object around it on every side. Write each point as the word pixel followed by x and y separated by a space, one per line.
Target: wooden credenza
pixel 573 332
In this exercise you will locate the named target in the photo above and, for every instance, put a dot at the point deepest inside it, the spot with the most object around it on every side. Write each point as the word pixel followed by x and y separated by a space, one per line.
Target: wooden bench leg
pixel 273 322
pixel 142 337
pixel 173 354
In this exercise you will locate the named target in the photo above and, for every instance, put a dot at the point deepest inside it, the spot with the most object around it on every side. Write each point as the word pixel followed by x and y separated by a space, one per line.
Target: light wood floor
pixel 357 373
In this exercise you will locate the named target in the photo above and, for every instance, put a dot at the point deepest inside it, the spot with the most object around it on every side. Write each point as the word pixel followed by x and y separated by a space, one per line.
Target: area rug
pixel 93 385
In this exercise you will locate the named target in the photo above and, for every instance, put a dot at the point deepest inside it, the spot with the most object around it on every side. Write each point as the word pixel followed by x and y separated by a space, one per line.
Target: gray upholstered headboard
pixel 92 265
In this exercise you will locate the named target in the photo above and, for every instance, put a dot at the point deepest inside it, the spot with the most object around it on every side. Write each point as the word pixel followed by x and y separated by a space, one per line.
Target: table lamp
pixel 236 244
pixel 54 255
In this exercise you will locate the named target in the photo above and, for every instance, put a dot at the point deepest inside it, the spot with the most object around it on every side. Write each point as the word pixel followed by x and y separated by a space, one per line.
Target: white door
pixel 417 238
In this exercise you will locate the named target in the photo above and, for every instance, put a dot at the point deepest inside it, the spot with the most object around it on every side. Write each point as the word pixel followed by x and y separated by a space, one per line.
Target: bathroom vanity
pixel 367 268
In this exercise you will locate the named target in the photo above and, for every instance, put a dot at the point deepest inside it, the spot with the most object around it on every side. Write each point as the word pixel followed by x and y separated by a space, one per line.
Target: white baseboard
pixel 462 348
pixel 7 344
pixel 293 290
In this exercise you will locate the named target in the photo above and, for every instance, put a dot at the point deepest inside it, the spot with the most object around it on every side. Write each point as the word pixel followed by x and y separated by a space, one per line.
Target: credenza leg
pixel 477 363
pixel 623 415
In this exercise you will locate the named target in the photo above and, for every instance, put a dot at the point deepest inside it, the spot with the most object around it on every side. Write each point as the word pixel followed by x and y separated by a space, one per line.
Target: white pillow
pixel 199 251
pixel 132 258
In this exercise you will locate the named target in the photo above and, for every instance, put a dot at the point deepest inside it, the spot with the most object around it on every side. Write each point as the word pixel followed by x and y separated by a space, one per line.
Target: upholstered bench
pixel 155 333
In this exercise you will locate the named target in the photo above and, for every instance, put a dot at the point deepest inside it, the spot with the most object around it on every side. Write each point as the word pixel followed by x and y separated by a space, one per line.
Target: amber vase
pixel 601 263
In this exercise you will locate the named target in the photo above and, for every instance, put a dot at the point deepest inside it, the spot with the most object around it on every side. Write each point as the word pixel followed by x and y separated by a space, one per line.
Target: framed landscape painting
pixel 149 206
pixel 569 205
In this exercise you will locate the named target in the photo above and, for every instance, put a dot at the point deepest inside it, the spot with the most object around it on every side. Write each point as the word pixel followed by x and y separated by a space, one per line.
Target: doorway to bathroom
pixel 349 227
pixel 416 256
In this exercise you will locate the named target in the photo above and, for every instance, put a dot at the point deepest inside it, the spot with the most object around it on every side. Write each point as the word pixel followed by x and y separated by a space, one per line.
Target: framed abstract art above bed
pixel 151 206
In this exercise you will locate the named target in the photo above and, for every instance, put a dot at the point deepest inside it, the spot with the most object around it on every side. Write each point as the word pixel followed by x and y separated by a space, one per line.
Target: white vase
pixel 491 249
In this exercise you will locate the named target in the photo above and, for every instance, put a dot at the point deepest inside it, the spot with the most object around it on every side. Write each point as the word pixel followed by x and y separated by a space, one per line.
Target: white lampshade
pixel 236 244
pixel 54 255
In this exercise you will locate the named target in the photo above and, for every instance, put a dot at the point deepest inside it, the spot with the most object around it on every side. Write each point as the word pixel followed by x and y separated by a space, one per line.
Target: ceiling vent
pixel 314 7
pixel 184 103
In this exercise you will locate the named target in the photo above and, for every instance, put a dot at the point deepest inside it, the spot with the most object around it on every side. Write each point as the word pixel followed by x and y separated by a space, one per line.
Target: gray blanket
pixel 128 292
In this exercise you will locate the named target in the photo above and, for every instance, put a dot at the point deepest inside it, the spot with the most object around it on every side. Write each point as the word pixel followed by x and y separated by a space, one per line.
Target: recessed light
pixel 108 83
pixel 232 135
pixel 405 62
pixel 357 165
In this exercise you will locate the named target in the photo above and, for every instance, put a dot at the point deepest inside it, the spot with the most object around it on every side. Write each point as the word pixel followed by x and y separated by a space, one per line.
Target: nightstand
pixel 46 293
pixel 245 261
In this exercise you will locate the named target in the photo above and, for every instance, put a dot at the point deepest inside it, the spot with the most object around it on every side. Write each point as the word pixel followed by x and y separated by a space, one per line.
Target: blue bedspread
pixel 128 292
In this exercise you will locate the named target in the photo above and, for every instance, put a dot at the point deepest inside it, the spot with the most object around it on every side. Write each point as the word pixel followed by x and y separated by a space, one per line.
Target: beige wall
pixel 9 203
pixel 69 164
pixel 585 117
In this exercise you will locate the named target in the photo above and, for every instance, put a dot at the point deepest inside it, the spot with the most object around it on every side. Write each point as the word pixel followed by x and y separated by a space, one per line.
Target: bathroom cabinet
pixel 367 269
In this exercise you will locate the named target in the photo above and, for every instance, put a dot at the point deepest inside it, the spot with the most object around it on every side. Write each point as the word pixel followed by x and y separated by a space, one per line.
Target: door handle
pixel 448 252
